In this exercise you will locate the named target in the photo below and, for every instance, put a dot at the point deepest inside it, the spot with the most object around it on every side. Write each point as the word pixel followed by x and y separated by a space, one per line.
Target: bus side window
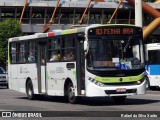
pixel 18 52
pixel 13 53
pixel 54 49
pixel 31 57
pixel 68 48
pixel 22 56
pixel 31 52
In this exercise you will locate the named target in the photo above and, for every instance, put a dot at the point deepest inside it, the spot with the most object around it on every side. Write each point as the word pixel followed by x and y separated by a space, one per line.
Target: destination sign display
pixel 113 31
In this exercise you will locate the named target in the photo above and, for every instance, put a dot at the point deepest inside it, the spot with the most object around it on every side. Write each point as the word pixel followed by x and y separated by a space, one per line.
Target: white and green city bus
pixel 92 61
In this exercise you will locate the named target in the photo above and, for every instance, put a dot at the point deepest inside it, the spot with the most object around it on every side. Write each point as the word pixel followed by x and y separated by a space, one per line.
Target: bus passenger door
pixel 80 63
pixel 41 66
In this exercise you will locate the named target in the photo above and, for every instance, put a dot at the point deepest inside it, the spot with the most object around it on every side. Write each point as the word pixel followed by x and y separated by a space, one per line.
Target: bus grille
pixel 121 83
pixel 115 92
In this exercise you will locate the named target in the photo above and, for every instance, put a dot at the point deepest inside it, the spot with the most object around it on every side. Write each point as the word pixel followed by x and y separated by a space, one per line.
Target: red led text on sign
pixel 116 31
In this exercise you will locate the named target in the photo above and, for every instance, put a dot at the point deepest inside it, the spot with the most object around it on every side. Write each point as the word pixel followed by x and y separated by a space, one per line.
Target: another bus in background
pixel 153 65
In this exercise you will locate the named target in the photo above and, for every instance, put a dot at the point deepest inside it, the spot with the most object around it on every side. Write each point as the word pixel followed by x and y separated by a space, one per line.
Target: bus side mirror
pixel 86 47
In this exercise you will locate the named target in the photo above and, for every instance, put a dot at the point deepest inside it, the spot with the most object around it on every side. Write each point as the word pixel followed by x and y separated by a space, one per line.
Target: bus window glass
pixel 68 48
pixel 18 52
pixel 31 51
pixel 54 49
pixel 13 53
pixel 22 58
pixel 154 57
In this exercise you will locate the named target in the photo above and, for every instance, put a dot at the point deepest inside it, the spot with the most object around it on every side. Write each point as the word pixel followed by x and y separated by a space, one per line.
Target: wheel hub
pixel 71 92
pixel 29 92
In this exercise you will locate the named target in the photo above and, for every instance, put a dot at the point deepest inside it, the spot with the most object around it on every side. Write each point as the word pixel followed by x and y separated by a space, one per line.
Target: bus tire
pixel 71 94
pixel 29 90
pixel 119 99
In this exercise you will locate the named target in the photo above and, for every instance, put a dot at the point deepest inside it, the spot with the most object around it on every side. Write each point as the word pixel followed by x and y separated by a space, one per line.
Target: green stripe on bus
pixel 117 79
pixel 47 76
pixel 9 62
pixel 74 74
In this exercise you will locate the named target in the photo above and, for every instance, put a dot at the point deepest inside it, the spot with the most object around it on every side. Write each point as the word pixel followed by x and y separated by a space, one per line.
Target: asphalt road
pixel 88 107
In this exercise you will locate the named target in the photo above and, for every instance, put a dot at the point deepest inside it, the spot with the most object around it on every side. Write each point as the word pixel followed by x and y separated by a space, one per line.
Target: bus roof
pixel 49 34
pixel 61 32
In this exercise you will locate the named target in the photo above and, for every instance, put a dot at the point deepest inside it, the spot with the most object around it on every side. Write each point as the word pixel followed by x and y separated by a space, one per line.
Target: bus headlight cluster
pixel 96 82
pixel 140 81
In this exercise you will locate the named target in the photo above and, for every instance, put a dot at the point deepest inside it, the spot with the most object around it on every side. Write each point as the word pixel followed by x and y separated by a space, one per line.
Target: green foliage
pixel 8 28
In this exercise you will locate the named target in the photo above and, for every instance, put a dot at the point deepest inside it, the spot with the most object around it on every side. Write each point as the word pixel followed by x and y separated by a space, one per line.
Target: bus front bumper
pixel 93 90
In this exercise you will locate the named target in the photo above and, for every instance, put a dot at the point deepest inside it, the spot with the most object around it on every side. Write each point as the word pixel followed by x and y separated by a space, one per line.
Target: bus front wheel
pixel 71 94
pixel 30 92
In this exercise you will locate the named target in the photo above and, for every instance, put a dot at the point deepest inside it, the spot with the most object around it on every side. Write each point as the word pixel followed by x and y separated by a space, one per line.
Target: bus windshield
pixel 114 53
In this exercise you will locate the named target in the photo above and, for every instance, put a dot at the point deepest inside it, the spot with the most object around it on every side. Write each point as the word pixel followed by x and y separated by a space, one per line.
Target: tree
pixel 8 28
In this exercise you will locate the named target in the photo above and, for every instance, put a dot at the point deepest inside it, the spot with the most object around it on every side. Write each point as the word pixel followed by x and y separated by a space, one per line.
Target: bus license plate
pixel 120 90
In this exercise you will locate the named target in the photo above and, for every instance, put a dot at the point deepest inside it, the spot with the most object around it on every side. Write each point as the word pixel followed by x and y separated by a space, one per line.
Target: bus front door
pixel 41 66
pixel 80 60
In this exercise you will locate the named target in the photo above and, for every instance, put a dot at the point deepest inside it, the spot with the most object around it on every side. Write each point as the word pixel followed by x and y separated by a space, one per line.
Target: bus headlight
pixel 140 81
pixel 96 82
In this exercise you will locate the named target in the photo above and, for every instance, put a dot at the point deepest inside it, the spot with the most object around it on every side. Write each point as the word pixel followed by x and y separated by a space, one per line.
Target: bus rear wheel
pixel 30 92
pixel 119 99
pixel 71 94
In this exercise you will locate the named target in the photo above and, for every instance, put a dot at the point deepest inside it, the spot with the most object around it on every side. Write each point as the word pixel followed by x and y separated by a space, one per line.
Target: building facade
pixel 38 13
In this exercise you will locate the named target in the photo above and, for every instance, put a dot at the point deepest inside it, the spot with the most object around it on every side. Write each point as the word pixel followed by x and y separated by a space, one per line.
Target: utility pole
pixel 138 13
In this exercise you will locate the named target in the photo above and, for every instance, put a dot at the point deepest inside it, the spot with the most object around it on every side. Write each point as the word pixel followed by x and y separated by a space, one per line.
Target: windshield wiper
pixel 127 44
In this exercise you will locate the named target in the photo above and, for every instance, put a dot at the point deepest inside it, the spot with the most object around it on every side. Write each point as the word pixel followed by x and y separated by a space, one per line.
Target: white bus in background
pixel 153 65
pixel 93 61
